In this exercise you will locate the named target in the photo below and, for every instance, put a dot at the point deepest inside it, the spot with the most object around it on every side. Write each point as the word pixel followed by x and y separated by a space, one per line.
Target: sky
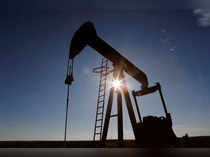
pixel 168 40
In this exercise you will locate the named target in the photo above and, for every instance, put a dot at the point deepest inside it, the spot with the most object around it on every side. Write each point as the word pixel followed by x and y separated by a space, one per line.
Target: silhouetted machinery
pixel 154 130
pixel 149 131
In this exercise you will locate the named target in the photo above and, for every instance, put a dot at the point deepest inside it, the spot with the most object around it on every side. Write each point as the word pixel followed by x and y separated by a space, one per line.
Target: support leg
pixel 130 111
pixel 120 117
pixel 108 113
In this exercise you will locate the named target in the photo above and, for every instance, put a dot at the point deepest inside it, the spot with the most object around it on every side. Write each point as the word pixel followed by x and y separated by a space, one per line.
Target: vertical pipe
pixel 66 119
pixel 137 107
pixel 162 99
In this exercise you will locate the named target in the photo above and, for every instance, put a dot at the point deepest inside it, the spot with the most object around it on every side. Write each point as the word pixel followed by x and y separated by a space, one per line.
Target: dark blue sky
pixel 168 40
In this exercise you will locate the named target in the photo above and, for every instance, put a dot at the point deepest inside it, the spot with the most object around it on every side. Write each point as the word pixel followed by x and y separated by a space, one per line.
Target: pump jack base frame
pixel 151 131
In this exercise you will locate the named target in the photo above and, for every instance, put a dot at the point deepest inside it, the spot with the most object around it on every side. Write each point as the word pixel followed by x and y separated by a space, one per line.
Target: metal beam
pixel 120 116
pixel 108 114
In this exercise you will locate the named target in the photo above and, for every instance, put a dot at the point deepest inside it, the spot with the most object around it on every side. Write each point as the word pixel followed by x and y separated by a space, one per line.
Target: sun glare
pixel 116 84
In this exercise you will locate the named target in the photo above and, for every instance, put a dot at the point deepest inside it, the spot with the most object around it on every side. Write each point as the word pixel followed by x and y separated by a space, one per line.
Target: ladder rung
pixel 99 120
pixel 99 113
pixel 100 101
pixel 98 126
pixel 101 89
pixel 101 97
pixel 97 133
pixel 114 115
pixel 100 107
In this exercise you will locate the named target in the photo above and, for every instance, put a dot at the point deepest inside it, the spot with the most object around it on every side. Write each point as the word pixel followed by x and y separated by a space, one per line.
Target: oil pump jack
pixel 151 130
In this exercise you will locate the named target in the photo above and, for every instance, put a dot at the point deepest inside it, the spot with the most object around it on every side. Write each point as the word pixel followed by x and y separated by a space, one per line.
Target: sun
pixel 116 84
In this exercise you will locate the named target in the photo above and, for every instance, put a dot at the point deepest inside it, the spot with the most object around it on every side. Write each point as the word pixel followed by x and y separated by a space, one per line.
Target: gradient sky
pixel 168 40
